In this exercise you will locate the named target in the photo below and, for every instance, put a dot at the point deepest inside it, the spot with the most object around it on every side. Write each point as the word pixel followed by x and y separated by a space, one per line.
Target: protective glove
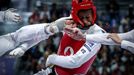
pixel 44 72
pixel 11 15
pixel 18 52
pixel 50 59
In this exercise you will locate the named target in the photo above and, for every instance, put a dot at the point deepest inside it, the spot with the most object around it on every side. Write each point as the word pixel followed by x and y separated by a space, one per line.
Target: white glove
pixel 11 15
pixel 52 29
pixel 18 52
pixel 44 72
pixel 50 59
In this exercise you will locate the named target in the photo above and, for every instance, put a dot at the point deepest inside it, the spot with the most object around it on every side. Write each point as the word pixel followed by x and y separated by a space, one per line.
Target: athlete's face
pixel 86 16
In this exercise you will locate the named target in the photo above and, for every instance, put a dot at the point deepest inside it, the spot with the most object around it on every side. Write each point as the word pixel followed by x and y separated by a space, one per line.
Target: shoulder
pixel 61 20
pixel 95 29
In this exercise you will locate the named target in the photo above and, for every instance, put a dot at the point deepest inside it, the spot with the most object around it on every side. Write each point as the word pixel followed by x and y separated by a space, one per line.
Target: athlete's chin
pixel 88 23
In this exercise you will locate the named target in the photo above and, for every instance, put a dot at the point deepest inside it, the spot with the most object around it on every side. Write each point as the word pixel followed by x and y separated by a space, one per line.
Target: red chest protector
pixel 69 46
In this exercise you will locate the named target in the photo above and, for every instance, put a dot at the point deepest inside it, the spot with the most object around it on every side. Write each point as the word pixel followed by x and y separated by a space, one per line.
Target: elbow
pixel 75 63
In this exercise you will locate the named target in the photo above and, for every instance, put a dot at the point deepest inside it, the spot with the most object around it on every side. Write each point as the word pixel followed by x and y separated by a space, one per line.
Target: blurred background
pixel 112 15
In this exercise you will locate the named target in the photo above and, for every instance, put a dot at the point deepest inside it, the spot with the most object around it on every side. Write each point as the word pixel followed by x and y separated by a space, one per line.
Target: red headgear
pixel 83 5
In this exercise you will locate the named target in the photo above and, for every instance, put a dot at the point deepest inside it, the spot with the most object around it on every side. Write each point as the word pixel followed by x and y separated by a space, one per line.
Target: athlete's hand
pixel 44 72
pixel 70 23
pixel 18 52
pixel 50 59
pixel 74 33
pixel 11 15
pixel 115 38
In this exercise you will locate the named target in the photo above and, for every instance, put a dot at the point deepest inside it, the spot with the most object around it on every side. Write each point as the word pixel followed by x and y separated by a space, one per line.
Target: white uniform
pixel 86 52
pixel 28 36
pixel 127 40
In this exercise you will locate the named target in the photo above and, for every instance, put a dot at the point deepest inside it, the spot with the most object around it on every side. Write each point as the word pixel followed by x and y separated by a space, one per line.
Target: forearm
pixel 76 60
pixel 34 32
pixel 128 46
pixel 28 44
pixel 127 40
pixel 129 36
pixel 100 38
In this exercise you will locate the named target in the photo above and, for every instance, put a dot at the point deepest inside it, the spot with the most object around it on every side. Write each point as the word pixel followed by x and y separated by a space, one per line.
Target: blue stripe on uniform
pixel 87 47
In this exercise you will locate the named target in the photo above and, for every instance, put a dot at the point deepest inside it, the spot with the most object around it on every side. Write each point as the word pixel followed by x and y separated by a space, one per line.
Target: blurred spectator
pixel 50 47
pixel 5 4
pixel 131 16
pixel 23 65
pixel 35 17
pixel 113 9
pixel 54 12
pixel 124 23
pixel 63 11
pixel 56 40
pixel 45 14
pixel 36 53
pixel 38 4
pixel 92 71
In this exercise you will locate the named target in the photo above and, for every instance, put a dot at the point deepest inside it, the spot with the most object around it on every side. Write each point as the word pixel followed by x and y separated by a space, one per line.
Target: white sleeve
pixel 26 36
pixel 39 31
pixel 129 36
pixel 128 40
pixel 30 35
pixel 128 45
pixel 100 38
pixel 28 44
pixel 86 52
pixel 60 23
pixel 1 16
pixel 6 43
pixel 34 33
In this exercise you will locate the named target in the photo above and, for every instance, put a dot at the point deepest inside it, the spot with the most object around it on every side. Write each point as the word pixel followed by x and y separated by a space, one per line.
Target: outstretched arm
pixel 105 38
pixel 26 36
pixel 125 40
pixel 31 35
pixel 86 52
